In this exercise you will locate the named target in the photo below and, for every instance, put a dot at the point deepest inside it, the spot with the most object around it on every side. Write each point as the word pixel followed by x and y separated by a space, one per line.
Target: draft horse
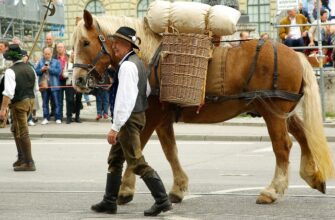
pixel 93 53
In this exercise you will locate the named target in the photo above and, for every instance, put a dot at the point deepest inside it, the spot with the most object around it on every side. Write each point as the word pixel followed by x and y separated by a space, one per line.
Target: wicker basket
pixel 184 68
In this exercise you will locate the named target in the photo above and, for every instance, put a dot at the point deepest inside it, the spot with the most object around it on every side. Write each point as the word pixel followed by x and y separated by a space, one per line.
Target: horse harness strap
pixel 248 96
pixel 275 72
pixel 253 64
pixel 155 63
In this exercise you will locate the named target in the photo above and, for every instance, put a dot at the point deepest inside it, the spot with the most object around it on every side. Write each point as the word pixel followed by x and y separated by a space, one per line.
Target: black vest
pixel 25 81
pixel 141 100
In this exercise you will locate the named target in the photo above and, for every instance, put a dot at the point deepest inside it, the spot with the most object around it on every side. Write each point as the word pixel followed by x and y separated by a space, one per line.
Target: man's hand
pixel 44 69
pixel 111 137
pixel 3 114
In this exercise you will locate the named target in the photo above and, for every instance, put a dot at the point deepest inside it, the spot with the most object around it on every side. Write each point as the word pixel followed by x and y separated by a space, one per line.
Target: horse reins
pixel 90 68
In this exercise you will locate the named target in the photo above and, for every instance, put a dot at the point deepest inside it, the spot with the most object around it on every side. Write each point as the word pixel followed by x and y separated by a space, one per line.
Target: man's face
pixel 48 40
pixel 3 48
pixel 120 47
pixel 291 13
pixel 47 54
pixel 60 49
pixel 324 16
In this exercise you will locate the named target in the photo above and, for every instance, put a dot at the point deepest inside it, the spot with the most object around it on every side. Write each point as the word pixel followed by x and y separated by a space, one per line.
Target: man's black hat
pixel 14 52
pixel 128 34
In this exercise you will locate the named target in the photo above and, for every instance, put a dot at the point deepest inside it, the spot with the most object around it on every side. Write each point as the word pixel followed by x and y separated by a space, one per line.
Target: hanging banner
pixel 283 5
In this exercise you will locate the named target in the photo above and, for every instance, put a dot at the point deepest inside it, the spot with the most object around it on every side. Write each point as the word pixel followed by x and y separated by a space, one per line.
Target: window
pixel 142 7
pixel 95 7
pixel 259 13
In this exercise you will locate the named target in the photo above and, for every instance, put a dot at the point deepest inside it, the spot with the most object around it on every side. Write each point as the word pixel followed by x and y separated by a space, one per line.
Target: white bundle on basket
pixel 222 20
pixel 192 17
pixel 158 16
pixel 189 17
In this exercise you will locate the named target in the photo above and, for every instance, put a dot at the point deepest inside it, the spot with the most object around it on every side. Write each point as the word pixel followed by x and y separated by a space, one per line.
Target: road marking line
pixel 261 150
pixel 260 188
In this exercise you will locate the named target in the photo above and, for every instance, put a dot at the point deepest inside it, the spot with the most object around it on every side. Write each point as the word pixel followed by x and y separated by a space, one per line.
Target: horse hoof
pixel 122 200
pixel 321 187
pixel 262 199
pixel 174 199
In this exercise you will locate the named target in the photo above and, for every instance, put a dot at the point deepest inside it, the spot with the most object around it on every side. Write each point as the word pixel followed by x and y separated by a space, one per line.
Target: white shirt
pixel 126 93
pixel 331 5
pixel 295 32
pixel 10 83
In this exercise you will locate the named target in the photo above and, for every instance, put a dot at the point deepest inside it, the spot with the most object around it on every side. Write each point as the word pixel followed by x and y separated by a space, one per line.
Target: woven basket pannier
pixel 184 68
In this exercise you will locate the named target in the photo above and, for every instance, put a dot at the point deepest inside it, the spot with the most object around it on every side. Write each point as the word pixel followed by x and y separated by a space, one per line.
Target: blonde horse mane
pixel 109 24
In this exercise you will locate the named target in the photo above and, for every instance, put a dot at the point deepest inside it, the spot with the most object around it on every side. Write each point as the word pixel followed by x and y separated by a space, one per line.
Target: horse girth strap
pixel 253 64
pixel 275 62
pixel 262 94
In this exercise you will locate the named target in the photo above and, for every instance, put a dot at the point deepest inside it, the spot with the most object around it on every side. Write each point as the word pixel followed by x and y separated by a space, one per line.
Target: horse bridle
pixel 91 68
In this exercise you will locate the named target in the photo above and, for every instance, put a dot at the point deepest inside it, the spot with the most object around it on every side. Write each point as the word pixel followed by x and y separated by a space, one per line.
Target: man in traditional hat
pixel 20 83
pixel 128 105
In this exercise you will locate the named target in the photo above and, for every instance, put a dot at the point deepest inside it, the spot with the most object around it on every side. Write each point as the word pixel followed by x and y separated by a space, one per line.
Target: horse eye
pixel 86 43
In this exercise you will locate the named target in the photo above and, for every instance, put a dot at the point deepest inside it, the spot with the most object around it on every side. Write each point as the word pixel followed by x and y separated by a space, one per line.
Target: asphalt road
pixel 225 179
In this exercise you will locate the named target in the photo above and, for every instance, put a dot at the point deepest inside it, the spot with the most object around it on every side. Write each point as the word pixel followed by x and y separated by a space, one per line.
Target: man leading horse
pixel 128 105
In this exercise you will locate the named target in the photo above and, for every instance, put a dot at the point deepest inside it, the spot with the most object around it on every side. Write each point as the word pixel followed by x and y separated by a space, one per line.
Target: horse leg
pixel 167 139
pixel 281 144
pixel 127 188
pixel 308 170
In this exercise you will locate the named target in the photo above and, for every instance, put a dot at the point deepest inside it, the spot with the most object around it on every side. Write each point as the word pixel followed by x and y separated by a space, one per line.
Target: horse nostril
pixel 80 81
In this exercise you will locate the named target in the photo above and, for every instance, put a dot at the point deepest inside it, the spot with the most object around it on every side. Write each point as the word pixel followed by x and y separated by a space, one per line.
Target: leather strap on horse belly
pixel 263 94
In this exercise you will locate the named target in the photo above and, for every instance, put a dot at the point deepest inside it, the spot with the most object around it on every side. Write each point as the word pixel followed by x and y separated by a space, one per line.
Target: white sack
pixel 158 16
pixel 222 20
pixel 189 17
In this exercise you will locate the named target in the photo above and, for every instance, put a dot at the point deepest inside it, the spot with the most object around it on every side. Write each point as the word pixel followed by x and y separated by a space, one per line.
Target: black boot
pixel 108 204
pixel 77 118
pixel 156 187
pixel 19 160
pixel 68 120
pixel 28 162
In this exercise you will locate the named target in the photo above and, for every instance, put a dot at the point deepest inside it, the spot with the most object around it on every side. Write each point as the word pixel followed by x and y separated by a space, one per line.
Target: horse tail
pixel 312 122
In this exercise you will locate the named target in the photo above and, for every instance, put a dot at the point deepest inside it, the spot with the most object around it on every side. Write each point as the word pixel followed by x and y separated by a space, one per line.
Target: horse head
pixel 92 53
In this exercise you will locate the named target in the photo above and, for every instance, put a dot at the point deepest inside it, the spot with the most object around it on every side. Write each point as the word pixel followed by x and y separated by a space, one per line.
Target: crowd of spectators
pixel 54 74
pixel 302 36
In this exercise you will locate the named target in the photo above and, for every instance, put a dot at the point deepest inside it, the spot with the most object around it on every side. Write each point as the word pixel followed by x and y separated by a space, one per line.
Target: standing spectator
pixel 130 103
pixel 293 36
pixel 50 68
pixel 102 100
pixel 20 81
pixel 4 64
pixel 87 99
pixel 73 98
pixel 331 6
pixel 307 9
pixel 49 42
pixel 265 36
pixel 62 57
pixel 244 35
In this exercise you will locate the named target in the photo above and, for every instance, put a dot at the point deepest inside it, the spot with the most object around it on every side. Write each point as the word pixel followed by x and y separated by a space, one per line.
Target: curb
pixel 179 137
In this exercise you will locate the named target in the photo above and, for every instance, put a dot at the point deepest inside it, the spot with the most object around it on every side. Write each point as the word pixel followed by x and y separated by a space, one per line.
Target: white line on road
pixel 260 188
pixel 154 142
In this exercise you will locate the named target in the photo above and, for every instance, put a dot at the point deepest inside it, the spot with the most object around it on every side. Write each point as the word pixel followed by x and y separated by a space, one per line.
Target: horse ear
pixel 88 19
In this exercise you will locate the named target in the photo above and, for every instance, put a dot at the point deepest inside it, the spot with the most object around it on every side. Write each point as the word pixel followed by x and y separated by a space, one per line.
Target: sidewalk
pixel 237 129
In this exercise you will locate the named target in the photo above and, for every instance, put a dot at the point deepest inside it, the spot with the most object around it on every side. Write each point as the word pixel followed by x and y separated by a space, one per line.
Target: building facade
pixel 261 12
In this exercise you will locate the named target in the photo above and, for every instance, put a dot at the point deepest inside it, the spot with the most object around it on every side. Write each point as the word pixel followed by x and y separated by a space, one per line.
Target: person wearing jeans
pixel 51 69
pixel 102 103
